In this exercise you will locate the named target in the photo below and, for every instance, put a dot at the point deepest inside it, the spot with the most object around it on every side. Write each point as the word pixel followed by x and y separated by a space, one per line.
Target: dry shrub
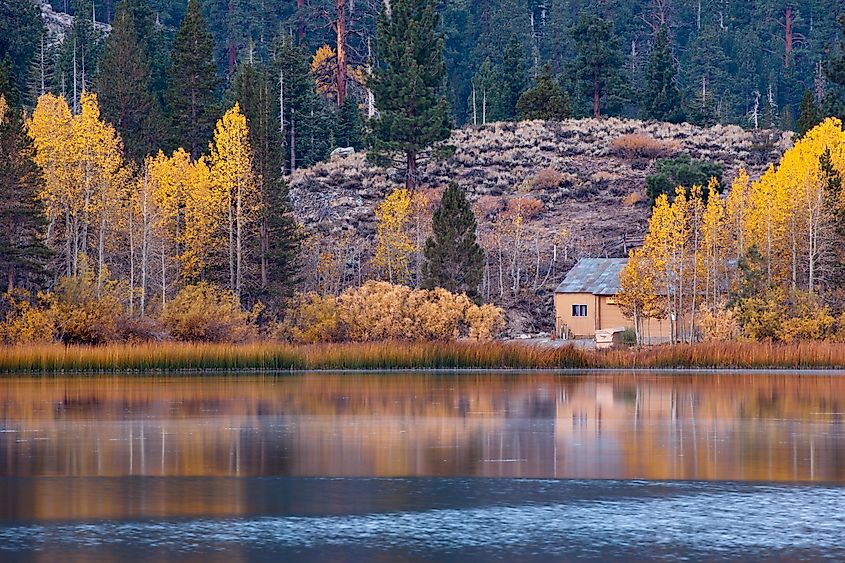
pixel 636 145
pixel 603 177
pixel 27 321
pixel 485 322
pixel 633 199
pixel 525 207
pixel 87 310
pixel 719 326
pixel 207 313
pixel 380 311
pixel 547 179
pixel 817 326
pixel 310 318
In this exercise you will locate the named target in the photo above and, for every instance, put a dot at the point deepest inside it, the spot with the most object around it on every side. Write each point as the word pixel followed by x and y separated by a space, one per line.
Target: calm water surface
pixel 423 467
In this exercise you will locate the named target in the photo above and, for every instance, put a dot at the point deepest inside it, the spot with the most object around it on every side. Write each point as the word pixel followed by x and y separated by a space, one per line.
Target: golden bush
pixel 383 311
pixel 27 321
pixel 87 308
pixel 485 322
pixel 311 318
pixel 719 326
pixel 207 313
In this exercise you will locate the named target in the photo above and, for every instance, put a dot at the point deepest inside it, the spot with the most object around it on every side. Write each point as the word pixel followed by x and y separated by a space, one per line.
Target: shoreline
pixel 454 356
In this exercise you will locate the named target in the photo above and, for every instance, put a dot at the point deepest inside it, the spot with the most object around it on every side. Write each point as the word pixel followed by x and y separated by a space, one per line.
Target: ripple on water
pixel 591 520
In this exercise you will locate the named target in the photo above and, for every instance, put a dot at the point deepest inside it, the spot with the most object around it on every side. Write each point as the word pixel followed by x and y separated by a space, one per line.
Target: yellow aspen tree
pixel 713 231
pixel 394 245
pixel 679 236
pixel 737 206
pixel 171 179
pixel 51 131
pixel 103 177
pixel 695 216
pixel 658 248
pixel 204 207
pixel 232 176
pixel 639 297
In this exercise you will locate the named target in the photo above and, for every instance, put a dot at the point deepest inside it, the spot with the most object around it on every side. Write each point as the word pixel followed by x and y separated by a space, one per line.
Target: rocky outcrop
pixel 58 24
pixel 597 196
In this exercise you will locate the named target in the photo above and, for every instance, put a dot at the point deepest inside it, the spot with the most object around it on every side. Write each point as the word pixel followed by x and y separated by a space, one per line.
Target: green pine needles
pixel 454 260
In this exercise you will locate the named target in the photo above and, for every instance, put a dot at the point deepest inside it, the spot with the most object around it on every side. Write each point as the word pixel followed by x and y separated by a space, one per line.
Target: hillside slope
pixel 589 194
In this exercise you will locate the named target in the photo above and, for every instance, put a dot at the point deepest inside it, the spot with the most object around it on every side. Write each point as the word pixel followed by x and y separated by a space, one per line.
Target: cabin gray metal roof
pixel 599 276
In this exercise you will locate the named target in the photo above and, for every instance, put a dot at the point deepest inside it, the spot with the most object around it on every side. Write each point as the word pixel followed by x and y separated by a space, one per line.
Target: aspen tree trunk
pixel 231 242
pixel 484 106
pixel 474 109
pixel 101 251
pixel 694 283
pixel 145 245
pixel 239 240
pixel 131 260
pixel 163 274
pixel 794 253
pixel 69 240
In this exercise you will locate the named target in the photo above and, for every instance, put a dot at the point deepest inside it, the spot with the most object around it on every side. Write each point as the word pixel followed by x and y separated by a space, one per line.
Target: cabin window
pixel 579 310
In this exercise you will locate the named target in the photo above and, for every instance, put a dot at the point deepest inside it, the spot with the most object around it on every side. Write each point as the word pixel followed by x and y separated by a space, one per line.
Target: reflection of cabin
pixel 585 302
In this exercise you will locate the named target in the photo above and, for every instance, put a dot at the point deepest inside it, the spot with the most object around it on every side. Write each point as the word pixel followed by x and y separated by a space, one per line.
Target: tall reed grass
pixel 170 357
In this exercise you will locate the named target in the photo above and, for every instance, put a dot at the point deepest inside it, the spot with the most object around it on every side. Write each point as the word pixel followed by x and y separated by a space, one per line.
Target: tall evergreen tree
pixel 661 99
pixel 192 96
pixel 81 51
pixel 284 250
pixel 511 80
pixel 124 88
pixel 407 84
pixel 834 103
pixel 300 116
pixel 348 126
pixel 598 61
pixel 151 35
pixel 454 259
pixel 22 250
pixel 808 117
pixel 546 100
pixel 20 30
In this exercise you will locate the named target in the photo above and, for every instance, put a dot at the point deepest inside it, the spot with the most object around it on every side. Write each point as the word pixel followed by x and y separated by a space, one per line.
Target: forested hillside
pixel 748 63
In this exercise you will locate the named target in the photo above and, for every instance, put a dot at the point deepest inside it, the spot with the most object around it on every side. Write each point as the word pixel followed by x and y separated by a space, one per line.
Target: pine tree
pixel 412 111
pixel 511 79
pixel 661 99
pixel 598 62
pixel 348 126
pixel 124 85
pixel 834 103
pixel 285 243
pixel 809 117
pixel 454 259
pixel 80 56
pixel 20 30
pixel 300 116
pixel 546 100
pixel 192 96
pixel 151 34
pixel 23 254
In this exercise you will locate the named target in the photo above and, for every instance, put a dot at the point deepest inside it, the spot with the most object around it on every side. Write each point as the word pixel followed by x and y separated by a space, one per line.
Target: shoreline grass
pixel 176 357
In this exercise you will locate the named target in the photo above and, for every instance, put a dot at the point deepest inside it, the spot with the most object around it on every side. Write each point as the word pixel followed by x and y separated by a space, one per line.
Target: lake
pixel 423 467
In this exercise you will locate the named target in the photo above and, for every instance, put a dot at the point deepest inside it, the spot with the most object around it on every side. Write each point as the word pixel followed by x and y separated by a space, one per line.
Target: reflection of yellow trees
pixel 682 427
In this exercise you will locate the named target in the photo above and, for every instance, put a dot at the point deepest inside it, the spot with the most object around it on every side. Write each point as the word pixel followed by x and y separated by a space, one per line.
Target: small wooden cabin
pixel 585 302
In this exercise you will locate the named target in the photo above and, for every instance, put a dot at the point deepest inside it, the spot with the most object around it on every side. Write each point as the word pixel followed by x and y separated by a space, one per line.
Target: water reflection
pixel 727 427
